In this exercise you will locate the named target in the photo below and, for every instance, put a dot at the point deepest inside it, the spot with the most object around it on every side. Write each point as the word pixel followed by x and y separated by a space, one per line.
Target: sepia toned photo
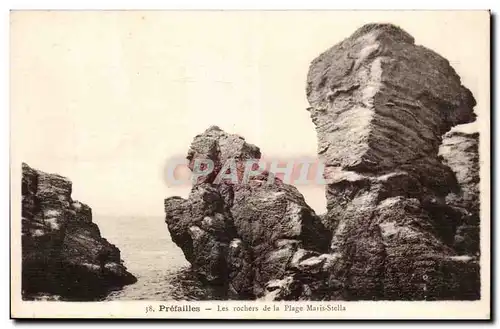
pixel 250 164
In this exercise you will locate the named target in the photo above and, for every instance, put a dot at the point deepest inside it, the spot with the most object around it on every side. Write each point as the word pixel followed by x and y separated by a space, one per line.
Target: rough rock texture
pixel 460 152
pixel 63 252
pixel 404 219
pixel 246 237
pixel 403 202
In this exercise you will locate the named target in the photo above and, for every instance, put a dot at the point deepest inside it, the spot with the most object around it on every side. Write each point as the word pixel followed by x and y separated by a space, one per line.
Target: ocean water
pixel 160 267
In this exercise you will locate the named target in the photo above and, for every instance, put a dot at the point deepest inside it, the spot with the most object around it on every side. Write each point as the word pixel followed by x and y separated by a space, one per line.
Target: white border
pixel 188 4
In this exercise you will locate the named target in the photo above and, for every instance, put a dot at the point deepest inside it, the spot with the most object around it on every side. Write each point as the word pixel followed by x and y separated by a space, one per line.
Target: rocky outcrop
pixel 246 237
pixel 404 219
pixel 63 252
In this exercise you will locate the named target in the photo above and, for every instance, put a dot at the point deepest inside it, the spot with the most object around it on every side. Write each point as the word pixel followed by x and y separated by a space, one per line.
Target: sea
pixel 160 267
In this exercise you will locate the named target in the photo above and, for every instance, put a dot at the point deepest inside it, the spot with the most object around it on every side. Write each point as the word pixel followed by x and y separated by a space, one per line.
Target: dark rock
pixel 460 152
pixel 241 235
pixel 400 214
pixel 219 147
pixel 63 252
pixel 402 219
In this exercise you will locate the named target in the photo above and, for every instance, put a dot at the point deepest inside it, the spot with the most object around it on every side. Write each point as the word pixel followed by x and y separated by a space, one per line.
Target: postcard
pixel 250 164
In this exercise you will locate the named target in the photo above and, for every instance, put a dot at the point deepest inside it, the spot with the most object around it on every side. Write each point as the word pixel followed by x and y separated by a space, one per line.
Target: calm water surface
pixel 149 253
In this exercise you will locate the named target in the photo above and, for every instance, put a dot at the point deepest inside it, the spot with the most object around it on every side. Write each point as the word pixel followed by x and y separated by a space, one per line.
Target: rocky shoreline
pixel 402 219
pixel 402 194
pixel 63 252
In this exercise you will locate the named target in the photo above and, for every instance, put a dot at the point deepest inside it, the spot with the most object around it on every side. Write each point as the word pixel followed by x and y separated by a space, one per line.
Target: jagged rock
pixel 460 152
pixel 403 213
pixel 243 235
pixel 63 252
pixel 219 147
pixel 202 227
pixel 380 104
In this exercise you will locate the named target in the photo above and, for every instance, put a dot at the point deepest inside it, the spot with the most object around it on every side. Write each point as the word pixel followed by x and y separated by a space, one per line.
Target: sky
pixel 106 98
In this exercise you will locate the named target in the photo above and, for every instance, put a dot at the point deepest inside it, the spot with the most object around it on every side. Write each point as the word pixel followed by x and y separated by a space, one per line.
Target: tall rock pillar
pixel 381 105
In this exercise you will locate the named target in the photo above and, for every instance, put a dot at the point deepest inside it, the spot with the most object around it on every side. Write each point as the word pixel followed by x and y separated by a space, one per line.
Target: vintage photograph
pixel 279 157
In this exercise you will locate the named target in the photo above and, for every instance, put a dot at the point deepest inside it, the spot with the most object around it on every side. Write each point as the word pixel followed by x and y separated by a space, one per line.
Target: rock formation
pixel 404 219
pixel 245 237
pixel 460 152
pixel 63 252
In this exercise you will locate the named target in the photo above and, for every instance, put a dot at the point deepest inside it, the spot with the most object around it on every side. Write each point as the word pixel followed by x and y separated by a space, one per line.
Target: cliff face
pixel 63 252
pixel 404 219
